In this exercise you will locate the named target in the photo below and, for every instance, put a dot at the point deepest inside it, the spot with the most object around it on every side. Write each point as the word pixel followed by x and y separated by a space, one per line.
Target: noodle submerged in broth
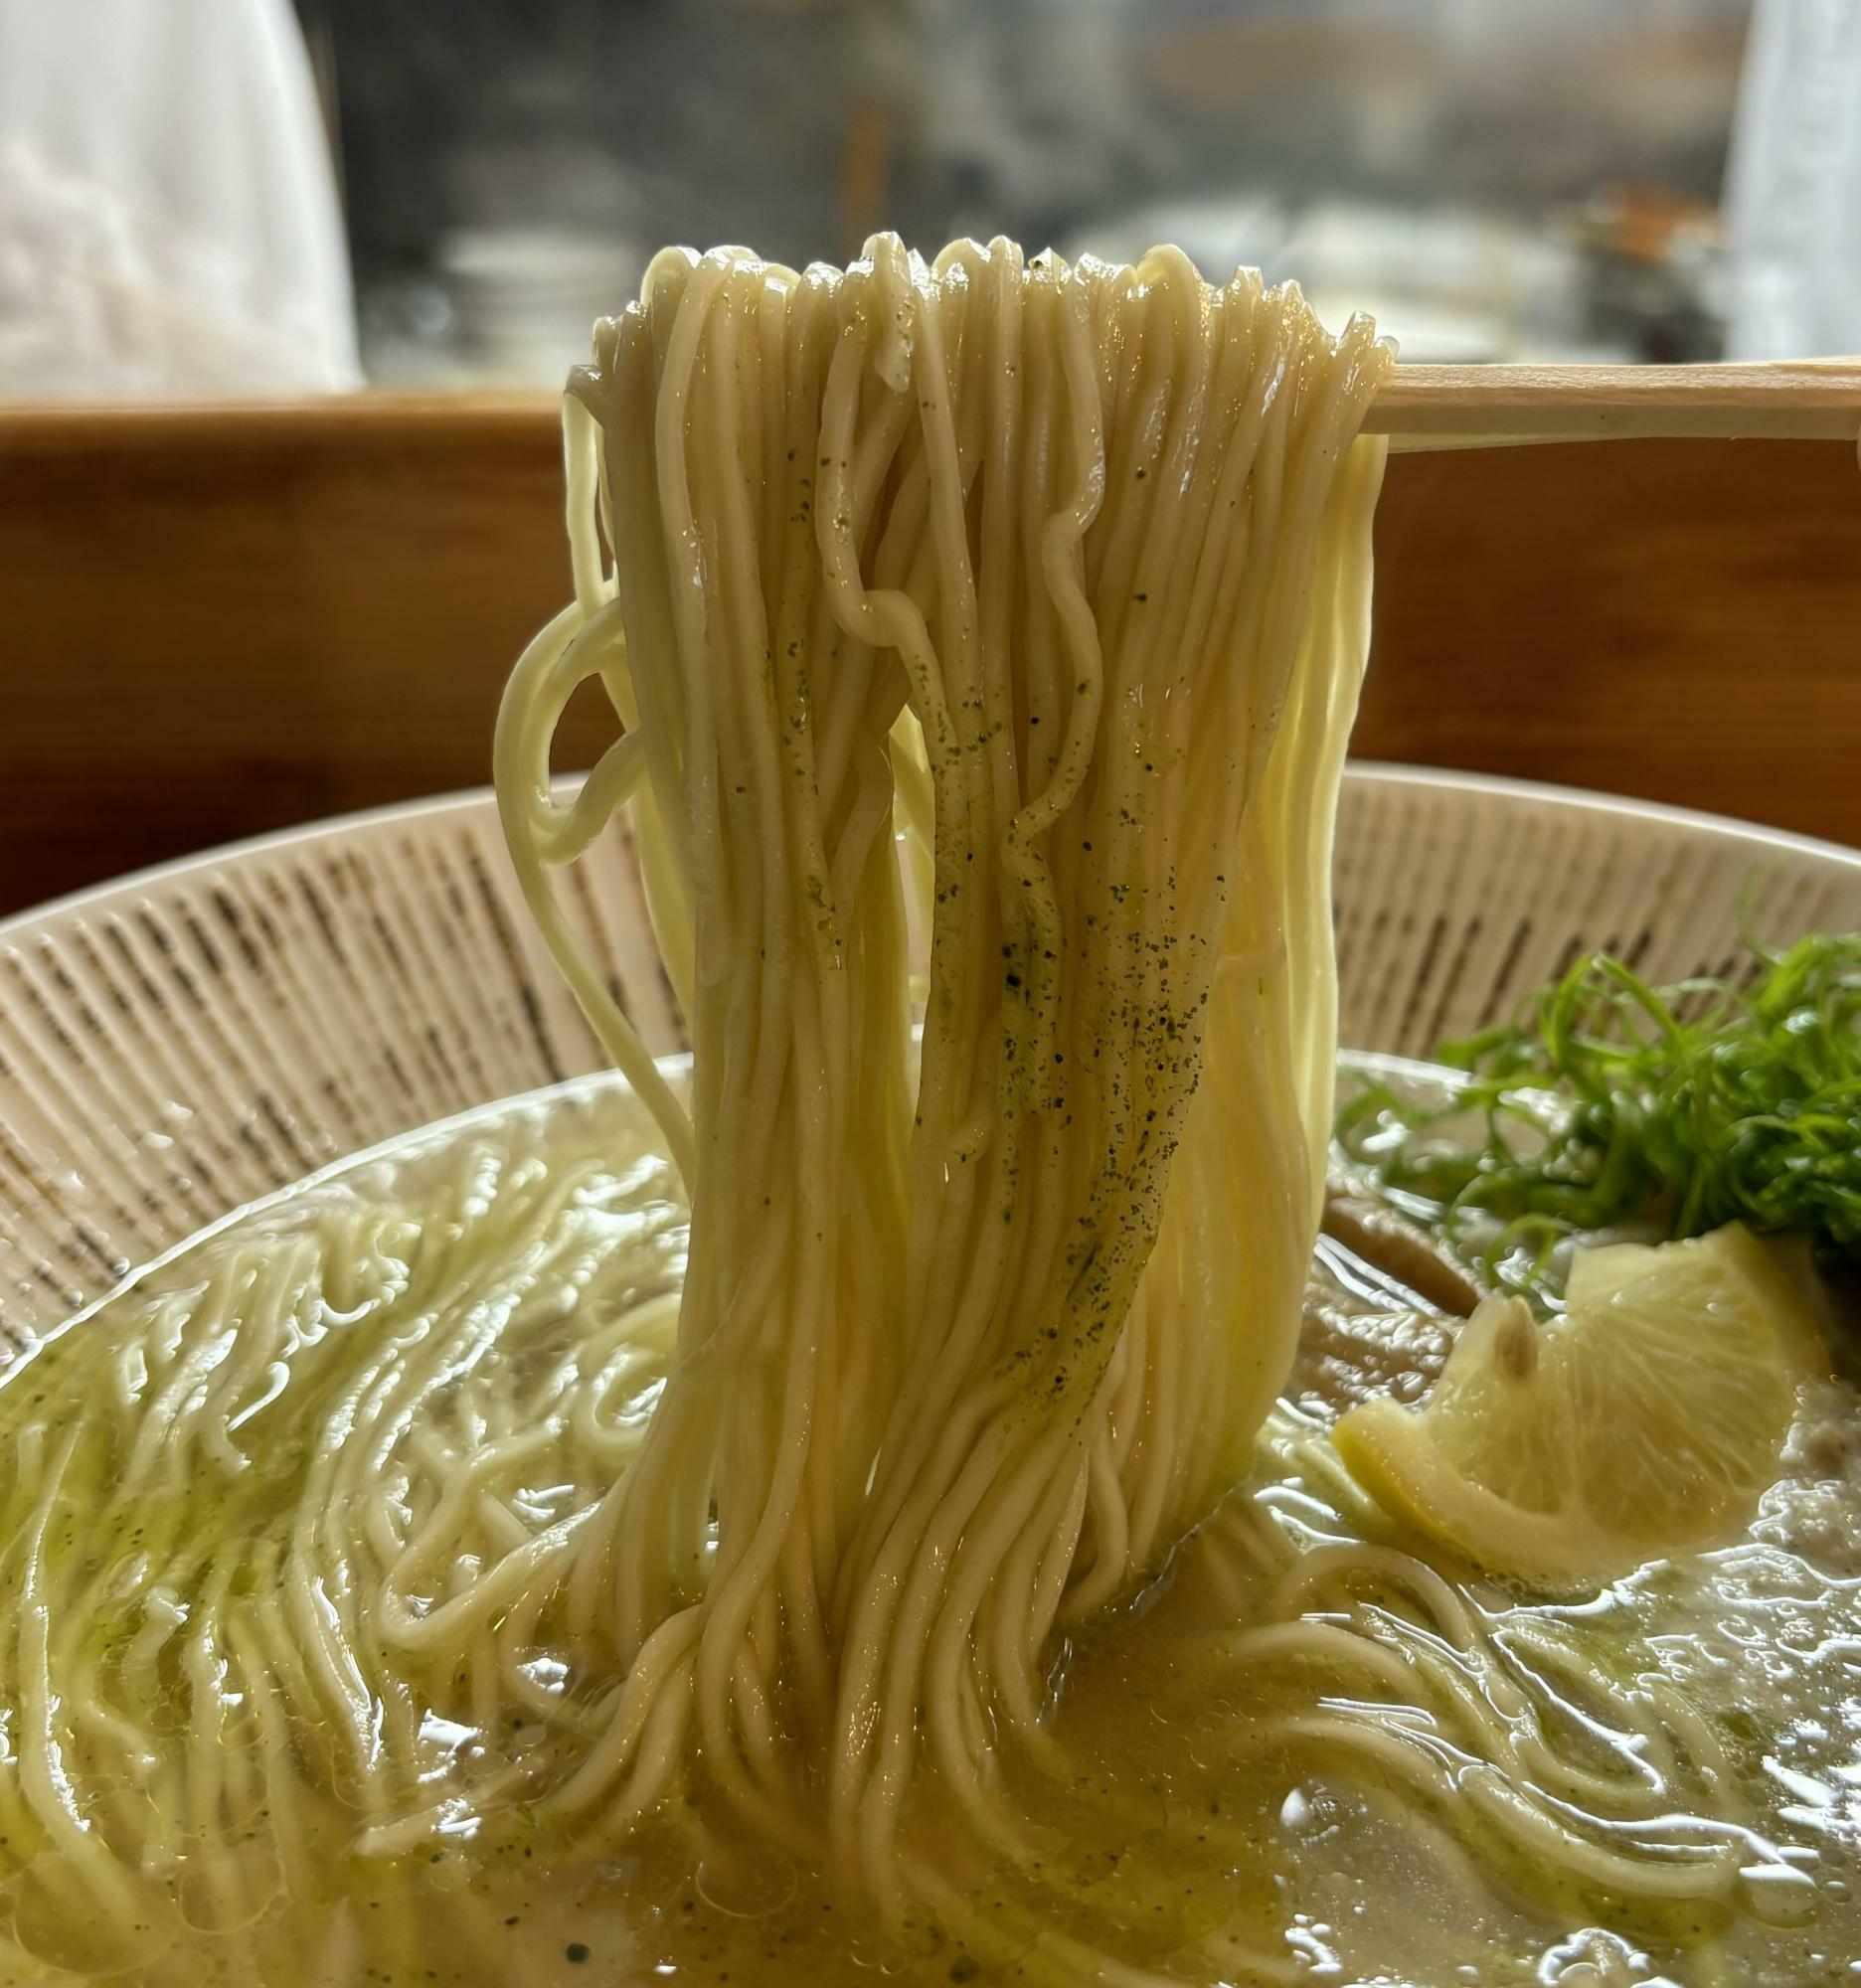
pixel 278 1506
pixel 1057 575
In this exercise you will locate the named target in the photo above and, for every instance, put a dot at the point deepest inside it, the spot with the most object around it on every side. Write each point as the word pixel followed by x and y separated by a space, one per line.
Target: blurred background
pixel 201 196
pixel 1493 178
pixel 289 289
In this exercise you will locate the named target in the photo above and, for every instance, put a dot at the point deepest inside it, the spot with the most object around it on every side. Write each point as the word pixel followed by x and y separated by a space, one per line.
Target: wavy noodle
pixel 231 1653
pixel 1489 1715
pixel 1065 570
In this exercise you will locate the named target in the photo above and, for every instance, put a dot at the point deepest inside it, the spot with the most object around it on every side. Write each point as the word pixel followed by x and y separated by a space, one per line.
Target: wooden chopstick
pixel 1419 406
pixel 1810 400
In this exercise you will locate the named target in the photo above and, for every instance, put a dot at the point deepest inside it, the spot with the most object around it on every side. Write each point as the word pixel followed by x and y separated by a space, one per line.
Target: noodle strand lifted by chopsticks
pixel 1064 573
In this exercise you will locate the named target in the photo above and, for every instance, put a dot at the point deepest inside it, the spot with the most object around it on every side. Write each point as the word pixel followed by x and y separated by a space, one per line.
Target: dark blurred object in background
pixel 1439 160
pixel 1653 273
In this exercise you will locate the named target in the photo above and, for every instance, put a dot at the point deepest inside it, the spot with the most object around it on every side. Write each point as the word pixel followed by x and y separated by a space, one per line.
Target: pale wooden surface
pixel 1809 399
pixel 221 622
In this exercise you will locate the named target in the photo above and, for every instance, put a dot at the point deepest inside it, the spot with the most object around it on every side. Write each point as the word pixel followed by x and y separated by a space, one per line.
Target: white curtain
pixel 169 225
pixel 1793 185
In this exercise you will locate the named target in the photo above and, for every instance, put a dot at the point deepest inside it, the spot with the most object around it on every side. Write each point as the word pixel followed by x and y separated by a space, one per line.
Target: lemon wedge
pixel 1645 1421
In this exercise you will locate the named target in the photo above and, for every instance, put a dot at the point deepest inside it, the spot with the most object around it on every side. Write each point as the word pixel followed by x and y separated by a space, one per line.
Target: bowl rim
pixel 1385 773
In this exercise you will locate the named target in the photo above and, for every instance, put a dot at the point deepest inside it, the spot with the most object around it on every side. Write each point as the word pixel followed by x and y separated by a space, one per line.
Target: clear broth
pixel 1177 1830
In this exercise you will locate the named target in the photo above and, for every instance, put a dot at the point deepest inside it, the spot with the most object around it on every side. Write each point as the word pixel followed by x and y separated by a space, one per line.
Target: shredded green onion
pixel 1609 1102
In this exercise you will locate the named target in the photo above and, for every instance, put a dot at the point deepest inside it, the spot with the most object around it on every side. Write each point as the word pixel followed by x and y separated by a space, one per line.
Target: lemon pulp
pixel 1646 1421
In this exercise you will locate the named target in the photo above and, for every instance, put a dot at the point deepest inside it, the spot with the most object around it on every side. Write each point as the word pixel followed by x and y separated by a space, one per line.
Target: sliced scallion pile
pixel 1610 1101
